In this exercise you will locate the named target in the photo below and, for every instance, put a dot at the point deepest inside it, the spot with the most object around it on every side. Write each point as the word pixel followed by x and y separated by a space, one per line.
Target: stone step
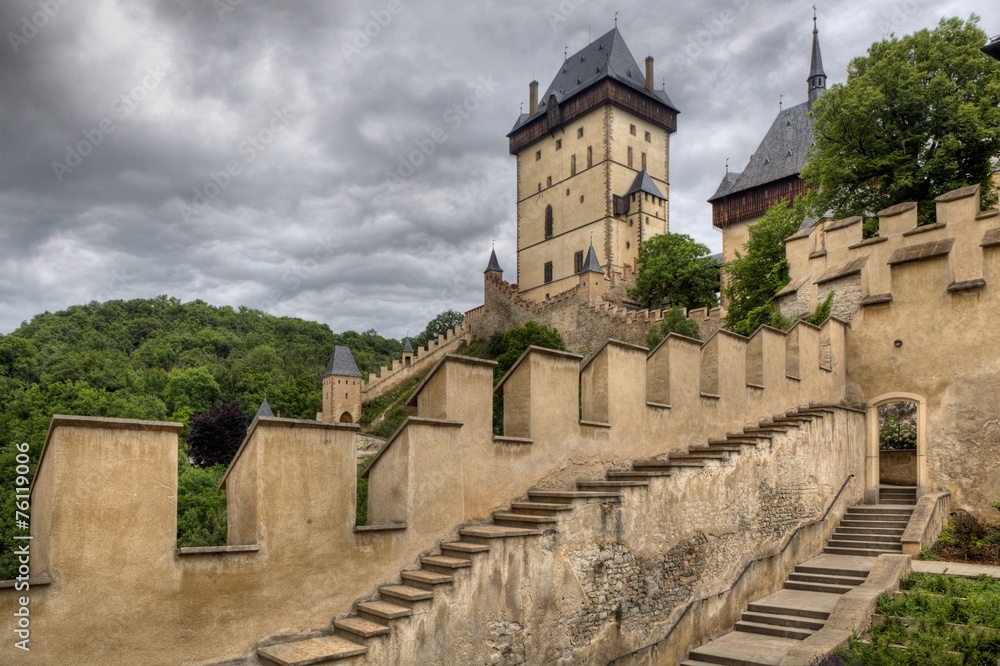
pixel 311 651
pixel 734 441
pixel 496 532
pixel 464 547
pixel 784 620
pixel 805 577
pixel 694 455
pixel 871 545
pixel 880 510
pixel 541 508
pixel 738 648
pixel 382 610
pixel 358 628
pixel 774 425
pixel 694 662
pixel 850 536
pixel 445 562
pixel 882 531
pixel 570 495
pixel 773 630
pixel 638 475
pixel 817 587
pixel 772 609
pixel 864 552
pixel 613 483
pixel 732 448
pixel 831 571
pixel 504 517
pixel 642 465
pixel 893 525
pixel 426 578
pixel 405 593
pixel 750 435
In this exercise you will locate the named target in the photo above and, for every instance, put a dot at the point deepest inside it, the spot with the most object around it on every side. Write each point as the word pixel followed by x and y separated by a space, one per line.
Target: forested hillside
pixel 159 359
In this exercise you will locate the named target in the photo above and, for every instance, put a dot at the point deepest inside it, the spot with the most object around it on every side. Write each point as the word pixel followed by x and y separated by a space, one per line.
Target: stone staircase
pixel 531 517
pixel 772 625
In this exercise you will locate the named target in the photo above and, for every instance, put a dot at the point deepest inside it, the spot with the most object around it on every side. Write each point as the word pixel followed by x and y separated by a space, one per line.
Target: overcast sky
pixel 240 151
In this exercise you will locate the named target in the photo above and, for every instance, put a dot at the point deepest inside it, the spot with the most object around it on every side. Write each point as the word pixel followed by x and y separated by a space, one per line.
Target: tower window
pixel 567 191
pixel 548 181
pixel 649 138
pixel 558 144
pixel 572 165
pixel 630 157
pixel 548 272
pixel 579 133
pixel 538 155
pixel 539 187
pixel 590 156
pixel 581 198
pixel 631 130
pixel 578 262
pixel 548 221
pixel 644 161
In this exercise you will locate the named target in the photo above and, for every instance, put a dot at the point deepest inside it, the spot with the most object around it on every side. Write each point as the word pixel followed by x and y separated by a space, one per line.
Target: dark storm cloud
pixel 344 162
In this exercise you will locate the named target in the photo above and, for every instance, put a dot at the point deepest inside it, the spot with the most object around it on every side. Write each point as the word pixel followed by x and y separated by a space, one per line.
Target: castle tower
pixel 817 77
pixel 407 353
pixel 773 172
pixel 591 276
pixel 341 388
pixel 598 128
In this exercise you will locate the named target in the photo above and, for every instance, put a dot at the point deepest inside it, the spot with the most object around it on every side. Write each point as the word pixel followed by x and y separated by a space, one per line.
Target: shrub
pixel 674 321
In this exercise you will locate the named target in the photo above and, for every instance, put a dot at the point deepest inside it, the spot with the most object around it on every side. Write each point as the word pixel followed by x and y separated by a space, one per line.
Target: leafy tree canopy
pixel 440 325
pixel 675 270
pixel 919 116
pixel 516 340
pixel 674 321
pixel 761 269
pixel 216 435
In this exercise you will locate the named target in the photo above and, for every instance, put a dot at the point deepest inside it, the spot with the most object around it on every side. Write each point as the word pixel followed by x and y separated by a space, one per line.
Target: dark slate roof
pixel 494 265
pixel 606 57
pixel 816 64
pixel 781 154
pixel 591 264
pixel 264 409
pixel 407 347
pixel 342 363
pixel 716 258
pixel 643 183
pixel 993 48
pixel 726 185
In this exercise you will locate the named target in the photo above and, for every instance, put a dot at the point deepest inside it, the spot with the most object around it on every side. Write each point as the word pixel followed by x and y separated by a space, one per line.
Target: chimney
pixel 533 97
pixel 649 73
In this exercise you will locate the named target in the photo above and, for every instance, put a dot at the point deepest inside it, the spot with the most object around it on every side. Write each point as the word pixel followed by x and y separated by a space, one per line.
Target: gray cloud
pixel 304 218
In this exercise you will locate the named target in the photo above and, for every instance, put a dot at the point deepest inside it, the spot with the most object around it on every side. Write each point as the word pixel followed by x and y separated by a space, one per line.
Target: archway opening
pixel 346 418
pixel 897 449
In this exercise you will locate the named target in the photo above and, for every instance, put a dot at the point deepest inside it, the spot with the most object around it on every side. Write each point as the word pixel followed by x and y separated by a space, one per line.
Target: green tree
pixel 674 321
pixel 440 325
pixel 675 270
pixel 516 340
pixel 761 269
pixel 194 388
pixel 918 116
pixel 216 434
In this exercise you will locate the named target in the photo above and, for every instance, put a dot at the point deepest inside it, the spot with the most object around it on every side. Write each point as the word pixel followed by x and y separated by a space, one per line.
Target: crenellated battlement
pixel 834 256
pixel 424 357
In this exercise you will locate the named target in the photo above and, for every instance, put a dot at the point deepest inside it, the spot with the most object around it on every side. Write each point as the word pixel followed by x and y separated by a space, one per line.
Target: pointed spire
pixel 342 363
pixel 591 264
pixel 494 265
pixel 264 409
pixel 407 347
pixel 817 77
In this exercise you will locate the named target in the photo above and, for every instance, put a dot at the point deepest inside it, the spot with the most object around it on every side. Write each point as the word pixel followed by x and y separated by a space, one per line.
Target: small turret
pixel 592 276
pixel 407 353
pixel 341 388
pixel 817 77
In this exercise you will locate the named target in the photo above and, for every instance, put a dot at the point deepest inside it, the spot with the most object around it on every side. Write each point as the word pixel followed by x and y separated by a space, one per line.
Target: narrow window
pixel 548 181
pixel 581 198
pixel 631 130
pixel 590 156
pixel 548 221
pixel 548 272
pixel 572 166
pixel 538 155
pixel 578 262
pixel 579 133
pixel 630 157
pixel 644 161
pixel 649 138
pixel 558 144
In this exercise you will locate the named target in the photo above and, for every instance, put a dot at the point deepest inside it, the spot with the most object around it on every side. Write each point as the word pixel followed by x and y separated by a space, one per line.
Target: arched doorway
pixel 884 433
pixel 346 418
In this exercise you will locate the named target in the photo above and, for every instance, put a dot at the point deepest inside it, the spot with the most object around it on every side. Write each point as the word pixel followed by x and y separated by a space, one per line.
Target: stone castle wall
pixel 423 360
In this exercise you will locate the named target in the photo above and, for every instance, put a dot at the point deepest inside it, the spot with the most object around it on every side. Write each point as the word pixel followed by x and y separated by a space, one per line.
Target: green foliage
pixel 393 405
pixel 215 435
pixel 440 325
pixel 897 433
pixel 674 321
pixel 761 269
pixel 158 359
pixel 822 312
pixel 675 270
pixel 361 507
pixel 918 116
pixel 201 506
pixel 508 347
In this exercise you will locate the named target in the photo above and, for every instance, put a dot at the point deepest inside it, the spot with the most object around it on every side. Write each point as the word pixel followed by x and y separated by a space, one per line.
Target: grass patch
pixel 361 507
pixel 393 405
pixel 934 603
